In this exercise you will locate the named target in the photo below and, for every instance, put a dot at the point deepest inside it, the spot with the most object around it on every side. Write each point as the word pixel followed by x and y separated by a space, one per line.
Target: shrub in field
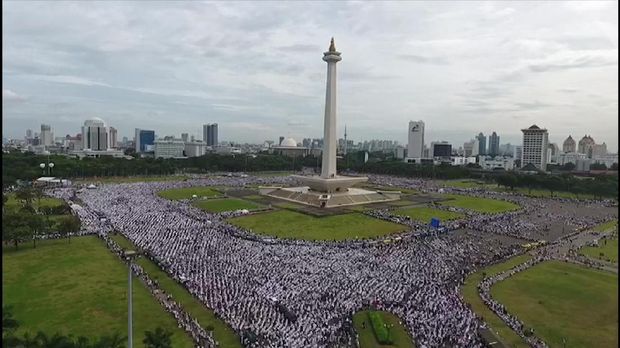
pixel 382 333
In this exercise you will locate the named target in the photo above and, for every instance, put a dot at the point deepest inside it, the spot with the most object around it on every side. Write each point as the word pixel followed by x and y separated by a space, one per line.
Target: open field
pixel 604 227
pixel 469 292
pixel 187 192
pixel 225 204
pixel 293 225
pixel 562 300
pixel 534 192
pixel 367 337
pixel 221 331
pixel 45 202
pixel 424 214
pixel 58 285
pixel 481 205
pixel 129 179
pixel 607 251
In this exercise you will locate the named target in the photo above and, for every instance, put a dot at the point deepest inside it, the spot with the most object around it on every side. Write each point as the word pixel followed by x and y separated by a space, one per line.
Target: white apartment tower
pixel 535 143
pixel 415 145
pixel 95 135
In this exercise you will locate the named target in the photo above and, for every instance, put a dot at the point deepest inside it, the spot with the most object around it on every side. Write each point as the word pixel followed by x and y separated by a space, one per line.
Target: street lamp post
pixel 49 166
pixel 130 254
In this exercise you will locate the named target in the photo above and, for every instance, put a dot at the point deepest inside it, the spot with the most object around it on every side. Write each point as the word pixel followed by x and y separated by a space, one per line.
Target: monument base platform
pixel 352 196
pixel 332 185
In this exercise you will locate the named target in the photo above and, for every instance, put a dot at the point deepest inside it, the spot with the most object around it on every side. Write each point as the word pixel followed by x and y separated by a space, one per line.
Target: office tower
pixel 569 145
pixel 468 148
pixel 95 135
pixel 494 144
pixel 535 144
pixel 113 136
pixel 168 148
pixel 440 149
pixel 482 144
pixel 46 138
pixel 586 146
pixel 29 134
pixel 415 146
pixel 185 137
pixel 209 134
pixel 136 140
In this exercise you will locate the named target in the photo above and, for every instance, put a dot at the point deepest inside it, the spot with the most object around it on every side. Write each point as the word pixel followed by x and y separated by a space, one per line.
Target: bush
pixel 382 334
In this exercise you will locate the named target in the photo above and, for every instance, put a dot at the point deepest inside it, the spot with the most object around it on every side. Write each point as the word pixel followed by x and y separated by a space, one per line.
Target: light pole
pixel 130 254
pixel 49 166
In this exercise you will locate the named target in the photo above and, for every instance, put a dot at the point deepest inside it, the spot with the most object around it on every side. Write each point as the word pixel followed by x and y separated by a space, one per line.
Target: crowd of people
pixel 291 293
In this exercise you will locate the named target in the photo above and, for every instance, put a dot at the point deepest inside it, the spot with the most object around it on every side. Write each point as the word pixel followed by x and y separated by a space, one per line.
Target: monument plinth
pixel 330 189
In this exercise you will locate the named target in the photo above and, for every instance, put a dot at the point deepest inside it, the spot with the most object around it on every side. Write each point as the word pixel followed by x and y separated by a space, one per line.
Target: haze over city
pixel 256 70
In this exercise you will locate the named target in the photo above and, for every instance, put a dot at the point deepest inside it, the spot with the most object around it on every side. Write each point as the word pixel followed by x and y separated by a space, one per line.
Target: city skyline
pixel 506 68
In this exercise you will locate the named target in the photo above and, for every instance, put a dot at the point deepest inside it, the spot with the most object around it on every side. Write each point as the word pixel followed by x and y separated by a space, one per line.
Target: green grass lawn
pixel 604 227
pixel 254 197
pixel 78 288
pixel 225 204
pixel 367 337
pixel 564 300
pixel 46 202
pixel 424 214
pixel 130 179
pixel 187 192
pixel 293 225
pixel 609 251
pixel 221 331
pixel 480 205
pixel 469 292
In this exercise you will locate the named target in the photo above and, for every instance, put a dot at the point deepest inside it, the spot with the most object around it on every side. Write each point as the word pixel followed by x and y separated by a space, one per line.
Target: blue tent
pixel 435 222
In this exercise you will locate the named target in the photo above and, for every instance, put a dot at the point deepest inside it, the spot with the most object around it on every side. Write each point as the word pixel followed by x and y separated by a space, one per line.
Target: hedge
pixel 382 333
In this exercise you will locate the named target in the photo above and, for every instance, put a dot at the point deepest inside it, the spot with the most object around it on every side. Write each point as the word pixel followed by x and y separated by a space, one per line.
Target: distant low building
pixel 497 162
pixel 170 148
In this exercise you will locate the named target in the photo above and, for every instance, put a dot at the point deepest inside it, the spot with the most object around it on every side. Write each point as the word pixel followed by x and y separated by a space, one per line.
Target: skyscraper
pixel 29 134
pixel 144 140
pixel 415 146
pixel 185 137
pixel 46 138
pixel 494 144
pixel 482 144
pixel 113 136
pixel 569 145
pixel 95 135
pixel 535 144
pixel 209 134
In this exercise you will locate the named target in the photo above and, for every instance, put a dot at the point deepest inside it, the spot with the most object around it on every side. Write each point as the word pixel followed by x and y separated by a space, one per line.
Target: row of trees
pixel 159 338
pixel 26 221
pixel 601 186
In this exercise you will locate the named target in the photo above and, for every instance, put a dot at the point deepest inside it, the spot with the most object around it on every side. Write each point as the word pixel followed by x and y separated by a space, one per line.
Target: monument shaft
pixel 330 141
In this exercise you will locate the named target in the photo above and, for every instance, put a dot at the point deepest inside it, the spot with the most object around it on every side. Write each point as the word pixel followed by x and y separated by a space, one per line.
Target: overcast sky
pixel 255 68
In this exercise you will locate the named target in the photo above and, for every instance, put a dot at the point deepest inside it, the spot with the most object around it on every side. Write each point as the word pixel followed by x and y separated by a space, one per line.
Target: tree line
pixel 159 338
pixel 27 220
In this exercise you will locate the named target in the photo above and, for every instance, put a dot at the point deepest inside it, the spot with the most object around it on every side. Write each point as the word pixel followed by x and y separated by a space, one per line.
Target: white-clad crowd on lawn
pixel 303 294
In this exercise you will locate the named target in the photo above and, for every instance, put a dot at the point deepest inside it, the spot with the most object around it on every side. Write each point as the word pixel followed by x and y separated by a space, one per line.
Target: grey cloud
pixel 424 60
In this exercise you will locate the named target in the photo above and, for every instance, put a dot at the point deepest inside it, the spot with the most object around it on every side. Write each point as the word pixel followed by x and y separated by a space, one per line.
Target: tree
pixel 37 224
pixel 15 227
pixel 160 338
pixel 69 224
pixel 26 195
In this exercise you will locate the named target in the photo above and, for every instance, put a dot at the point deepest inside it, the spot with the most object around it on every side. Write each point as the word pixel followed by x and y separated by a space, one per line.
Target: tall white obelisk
pixel 328 167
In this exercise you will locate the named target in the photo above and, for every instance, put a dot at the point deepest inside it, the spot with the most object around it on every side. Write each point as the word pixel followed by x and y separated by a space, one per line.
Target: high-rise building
pixel 46 137
pixel 209 134
pixel 113 136
pixel 168 148
pixel 280 141
pixel 468 148
pixel 29 134
pixel 586 146
pixel 441 149
pixel 569 145
pixel 95 135
pixel 185 137
pixel 482 144
pixel 494 144
pixel 599 150
pixel 415 146
pixel 535 144
pixel 144 140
